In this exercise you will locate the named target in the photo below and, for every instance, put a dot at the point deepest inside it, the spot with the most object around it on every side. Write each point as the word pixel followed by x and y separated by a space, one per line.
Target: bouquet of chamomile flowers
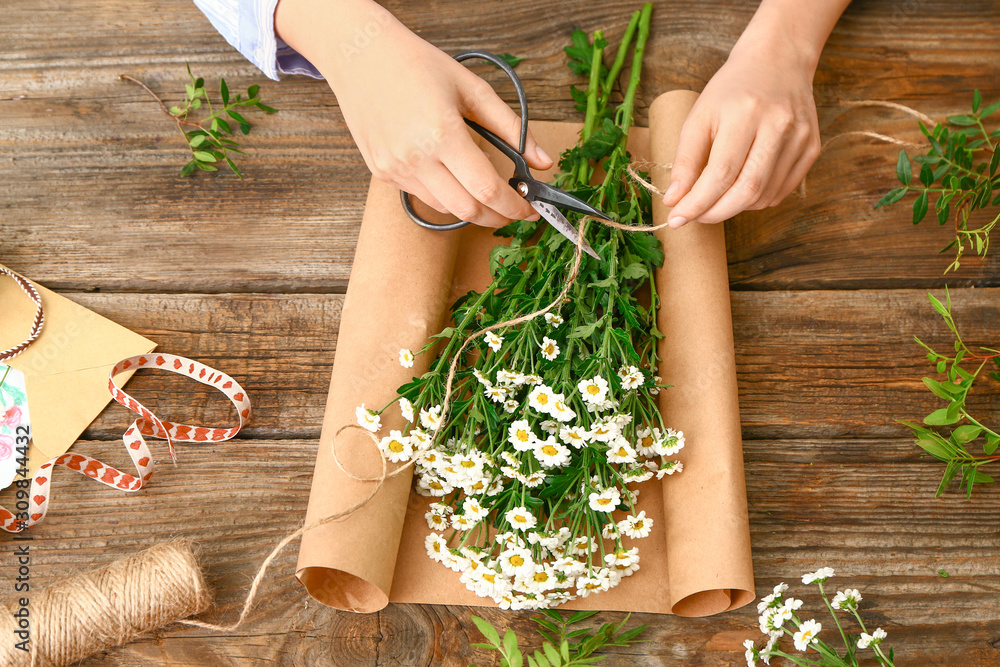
pixel 549 422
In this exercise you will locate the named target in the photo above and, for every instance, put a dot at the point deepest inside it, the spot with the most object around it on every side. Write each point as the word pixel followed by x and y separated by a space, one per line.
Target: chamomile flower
pixel 437 516
pixel 483 380
pixel 655 389
pixel 541 399
pixel 751 653
pixel 550 348
pixel 646 438
pixel 846 600
pixel 631 377
pixel 510 405
pixel 866 640
pixel 669 443
pixel 520 518
pixel 436 546
pixel 493 341
pixel 368 419
pixel 405 358
pixel 462 522
pixel 573 435
pixel 597 582
pixel 551 453
pixel 554 319
pixel 549 426
pixel 520 435
pixel 603 431
pixel 806 634
pixel 496 394
pixel 515 560
pixel 509 378
pixel 637 526
pixel 421 439
pixel 624 562
pixel 396 447
pixel 430 417
pixel 532 379
pixel 533 480
pixel 820 575
pixel 605 501
pixel 669 468
pixel 406 408
pixel 620 451
pixel 561 411
pixel 594 390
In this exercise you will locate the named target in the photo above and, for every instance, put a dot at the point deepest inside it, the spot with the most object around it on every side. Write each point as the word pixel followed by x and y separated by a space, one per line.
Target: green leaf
pixel 941 417
pixel 926 175
pixel 920 207
pixel 977 100
pixel 990 110
pixel 509 642
pixel 190 90
pixel 903 170
pixel 891 197
pixel 962 120
pixel 551 653
pixel 487 630
pixel 188 168
pixel 206 167
pixel 992 442
pixel 938 389
pixel 600 144
pixel 197 141
pixel 513 61
pixel 635 271
pixel 224 91
pixel 203 156
pixel 966 433
pixel 252 90
pixel 266 109
pixel 938 306
pixel 232 166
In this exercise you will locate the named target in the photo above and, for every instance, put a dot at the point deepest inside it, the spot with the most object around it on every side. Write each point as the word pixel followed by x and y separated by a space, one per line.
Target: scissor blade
pixel 562 225
pixel 557 197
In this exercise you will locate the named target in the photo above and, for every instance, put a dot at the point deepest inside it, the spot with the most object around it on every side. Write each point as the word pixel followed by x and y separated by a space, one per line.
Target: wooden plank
pixel 810 364
pixel 823 504
pixel 89 163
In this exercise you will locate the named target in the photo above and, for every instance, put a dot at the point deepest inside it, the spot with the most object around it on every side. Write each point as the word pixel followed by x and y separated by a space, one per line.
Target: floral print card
pixel 14 423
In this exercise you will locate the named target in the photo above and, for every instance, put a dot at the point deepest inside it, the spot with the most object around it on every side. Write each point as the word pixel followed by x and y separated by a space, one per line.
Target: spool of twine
pixel 92 611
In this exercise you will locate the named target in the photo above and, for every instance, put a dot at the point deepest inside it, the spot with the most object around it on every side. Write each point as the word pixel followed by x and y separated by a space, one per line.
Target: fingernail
pixel 671 191
pixel 676 221
pixel 542 155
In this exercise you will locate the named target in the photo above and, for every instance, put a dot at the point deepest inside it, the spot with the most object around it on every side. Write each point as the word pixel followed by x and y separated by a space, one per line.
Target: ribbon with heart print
pixel 32 508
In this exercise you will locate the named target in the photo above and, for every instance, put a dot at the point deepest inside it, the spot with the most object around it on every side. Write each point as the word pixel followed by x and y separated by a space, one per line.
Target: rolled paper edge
pixel 707 523
pixel 397 297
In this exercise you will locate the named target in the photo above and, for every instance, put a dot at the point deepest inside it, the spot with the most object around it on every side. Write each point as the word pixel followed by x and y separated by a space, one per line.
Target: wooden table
pixel 249 276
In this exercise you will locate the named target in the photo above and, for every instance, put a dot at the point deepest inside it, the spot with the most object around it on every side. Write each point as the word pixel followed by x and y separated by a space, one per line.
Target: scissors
pixel 543 197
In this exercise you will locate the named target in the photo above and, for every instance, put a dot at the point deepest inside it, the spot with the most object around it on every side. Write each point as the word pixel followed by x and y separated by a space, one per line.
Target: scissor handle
pixel 489 136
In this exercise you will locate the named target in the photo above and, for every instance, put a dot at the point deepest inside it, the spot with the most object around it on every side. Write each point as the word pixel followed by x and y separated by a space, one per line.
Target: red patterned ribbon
pixel 36 324
pixel 147 424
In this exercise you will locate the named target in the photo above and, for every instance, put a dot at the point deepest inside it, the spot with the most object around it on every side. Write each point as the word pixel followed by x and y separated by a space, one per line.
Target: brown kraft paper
pixel 697 559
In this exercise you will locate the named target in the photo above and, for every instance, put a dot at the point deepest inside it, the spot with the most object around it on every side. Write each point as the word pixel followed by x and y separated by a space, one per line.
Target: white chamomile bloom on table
pixel 806 634
pixel 669 468
pixel 847 599
pixel 597 582
pixel 368 419
pixel 515 560
pixel 496 394
pixel 637 526
pixel 751 653
pixel 430 417
pixel 822 574
pixel 396 447
pixel 550 348
pixel 494 341
pixel 406 358
pixel 437 516
pixel 406 408
pixel 510 405
pixel 541 399
pixel 551 453
pixel 553 319
pixel 866 640
pixel 594 390
pixel 646 438
pixel 605 501
pixel 462 522
pixel 669 443
pixel 520 435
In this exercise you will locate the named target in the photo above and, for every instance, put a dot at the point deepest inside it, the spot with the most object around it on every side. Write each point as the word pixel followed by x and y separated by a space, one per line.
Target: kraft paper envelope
pixel 66 368
pixel 696 561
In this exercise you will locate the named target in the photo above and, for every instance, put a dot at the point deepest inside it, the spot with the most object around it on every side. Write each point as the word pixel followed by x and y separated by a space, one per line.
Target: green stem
pixel 593 88
pixel 616 67
pixel 628 104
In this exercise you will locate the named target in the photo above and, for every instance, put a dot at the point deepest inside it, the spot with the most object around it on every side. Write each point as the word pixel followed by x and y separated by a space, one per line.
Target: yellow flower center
pixel 490 577
pixel 604 501
pixel 395 446
pixel 436 485
pixel 543 399
pixel 621 452
pixel 516 560
pixel 522 435
pixel 541 577
pixel 468 464
pixel 593 389
pixel 591 585
pixel 647 441
pixel 638 525
pixel 549 450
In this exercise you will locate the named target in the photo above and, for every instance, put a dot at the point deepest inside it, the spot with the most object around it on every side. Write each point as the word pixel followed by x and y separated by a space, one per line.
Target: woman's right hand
pixel 404 101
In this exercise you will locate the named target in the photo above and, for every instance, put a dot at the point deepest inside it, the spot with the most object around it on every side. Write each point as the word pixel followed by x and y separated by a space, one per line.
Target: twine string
pixel 37 323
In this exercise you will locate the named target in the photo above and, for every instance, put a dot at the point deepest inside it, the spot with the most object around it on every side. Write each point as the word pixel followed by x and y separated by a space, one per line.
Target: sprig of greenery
pixel 958 173
pixel 953 446
pixel 211 138
pixel 562 646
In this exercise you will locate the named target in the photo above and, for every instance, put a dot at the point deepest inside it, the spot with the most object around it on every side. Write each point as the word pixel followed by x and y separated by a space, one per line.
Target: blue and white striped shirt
pixel 249 26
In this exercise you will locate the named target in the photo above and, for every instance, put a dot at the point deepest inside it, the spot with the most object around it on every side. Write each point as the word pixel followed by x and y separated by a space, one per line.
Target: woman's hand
pixel 753 133
pixel 404 101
